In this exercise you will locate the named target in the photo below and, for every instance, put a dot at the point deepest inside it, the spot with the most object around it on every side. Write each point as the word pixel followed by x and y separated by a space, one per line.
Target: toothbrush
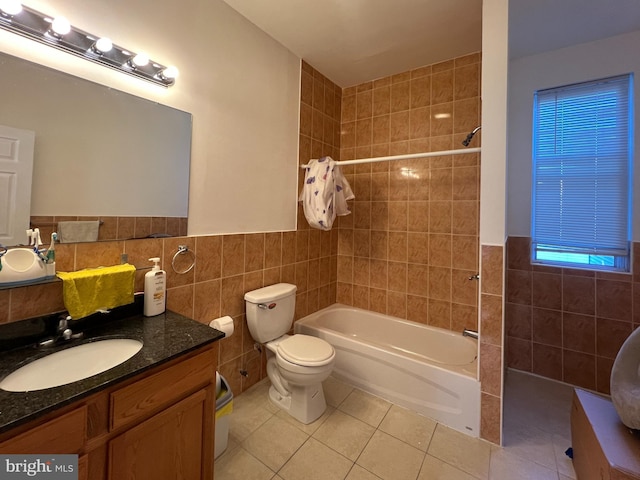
pixel 51 251
pixel 40 255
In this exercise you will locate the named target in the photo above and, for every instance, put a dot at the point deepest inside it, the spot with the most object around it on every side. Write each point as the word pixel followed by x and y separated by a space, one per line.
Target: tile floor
pixel 363 437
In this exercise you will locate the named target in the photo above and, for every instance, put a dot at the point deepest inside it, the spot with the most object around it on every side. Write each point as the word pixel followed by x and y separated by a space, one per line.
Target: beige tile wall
pixel 411 242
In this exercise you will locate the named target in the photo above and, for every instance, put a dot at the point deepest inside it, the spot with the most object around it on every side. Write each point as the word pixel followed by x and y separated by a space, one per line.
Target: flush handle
pixel 264 306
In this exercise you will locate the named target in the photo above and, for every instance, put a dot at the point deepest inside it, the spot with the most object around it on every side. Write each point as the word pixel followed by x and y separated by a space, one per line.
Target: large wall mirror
pixel 98 152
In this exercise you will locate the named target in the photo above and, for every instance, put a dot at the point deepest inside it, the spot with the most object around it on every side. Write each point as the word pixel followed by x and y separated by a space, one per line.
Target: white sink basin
pixel 71 365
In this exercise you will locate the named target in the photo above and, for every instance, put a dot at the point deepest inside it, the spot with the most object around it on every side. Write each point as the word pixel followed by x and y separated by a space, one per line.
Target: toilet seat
pixel 306 351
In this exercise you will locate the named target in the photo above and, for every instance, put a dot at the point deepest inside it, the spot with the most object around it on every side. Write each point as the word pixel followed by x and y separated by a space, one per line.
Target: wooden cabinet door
pixel 168 446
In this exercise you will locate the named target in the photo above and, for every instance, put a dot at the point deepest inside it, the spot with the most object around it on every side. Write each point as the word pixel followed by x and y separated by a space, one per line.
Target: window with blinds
pixel 582 158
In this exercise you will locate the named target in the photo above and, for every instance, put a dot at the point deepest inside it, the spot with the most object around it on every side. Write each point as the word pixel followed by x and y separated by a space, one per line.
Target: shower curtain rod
pixel 459 151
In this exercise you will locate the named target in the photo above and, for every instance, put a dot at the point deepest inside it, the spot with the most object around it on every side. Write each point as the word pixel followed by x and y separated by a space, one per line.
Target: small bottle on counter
pixel 155 287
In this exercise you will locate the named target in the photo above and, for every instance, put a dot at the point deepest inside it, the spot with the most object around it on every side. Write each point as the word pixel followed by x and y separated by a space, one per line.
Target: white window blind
pixel 581 173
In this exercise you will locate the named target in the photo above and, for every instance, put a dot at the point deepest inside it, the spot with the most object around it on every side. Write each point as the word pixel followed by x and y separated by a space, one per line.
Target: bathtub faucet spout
pixel 470 333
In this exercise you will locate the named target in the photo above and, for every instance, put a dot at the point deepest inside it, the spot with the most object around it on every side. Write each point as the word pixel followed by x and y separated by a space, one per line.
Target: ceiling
pixel 544 25
pixel 354 41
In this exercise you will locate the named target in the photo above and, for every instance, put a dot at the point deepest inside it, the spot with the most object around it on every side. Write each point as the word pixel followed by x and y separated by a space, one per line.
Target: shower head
pixel 467 140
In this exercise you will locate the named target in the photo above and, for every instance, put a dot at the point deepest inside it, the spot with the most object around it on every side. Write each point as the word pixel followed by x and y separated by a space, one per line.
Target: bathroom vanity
pixel 150 417
pixel 603 447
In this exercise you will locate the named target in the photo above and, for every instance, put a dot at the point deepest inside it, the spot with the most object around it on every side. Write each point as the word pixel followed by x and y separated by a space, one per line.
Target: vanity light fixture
pixel 59 33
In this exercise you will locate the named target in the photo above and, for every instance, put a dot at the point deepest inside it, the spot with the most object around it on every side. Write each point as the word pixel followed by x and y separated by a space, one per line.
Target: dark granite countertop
pixel 164 338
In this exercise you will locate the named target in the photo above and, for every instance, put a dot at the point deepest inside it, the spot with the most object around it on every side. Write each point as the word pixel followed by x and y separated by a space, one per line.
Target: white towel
pixel 325 193
pixel 80 231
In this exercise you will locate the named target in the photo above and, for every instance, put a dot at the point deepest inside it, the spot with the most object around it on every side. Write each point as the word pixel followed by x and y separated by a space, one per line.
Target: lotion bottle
pixel 155 287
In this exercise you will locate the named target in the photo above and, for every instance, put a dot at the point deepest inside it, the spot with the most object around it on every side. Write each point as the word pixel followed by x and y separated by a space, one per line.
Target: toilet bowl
pixel 296 364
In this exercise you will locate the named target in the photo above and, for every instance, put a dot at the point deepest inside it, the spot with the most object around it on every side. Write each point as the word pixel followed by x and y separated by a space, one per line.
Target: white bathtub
pixel 429 370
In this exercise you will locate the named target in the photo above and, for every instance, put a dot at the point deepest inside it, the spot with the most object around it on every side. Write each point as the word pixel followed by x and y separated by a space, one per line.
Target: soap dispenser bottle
pixel 155 287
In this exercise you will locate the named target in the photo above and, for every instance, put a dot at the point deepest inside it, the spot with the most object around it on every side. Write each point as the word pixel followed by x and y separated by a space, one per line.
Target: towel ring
pixel 183 250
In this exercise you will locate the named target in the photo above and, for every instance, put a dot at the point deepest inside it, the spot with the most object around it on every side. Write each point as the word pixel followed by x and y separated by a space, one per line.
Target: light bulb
pixel 103 45
pixel 61 26
pixel 170 72
pixel 140 60
pixel 10 7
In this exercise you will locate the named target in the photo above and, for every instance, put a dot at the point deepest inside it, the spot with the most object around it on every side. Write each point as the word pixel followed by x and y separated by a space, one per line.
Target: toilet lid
pixel 306 350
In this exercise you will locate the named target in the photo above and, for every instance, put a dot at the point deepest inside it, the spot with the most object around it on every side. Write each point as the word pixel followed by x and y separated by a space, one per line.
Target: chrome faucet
pixel 63 328
pixel 63 333
pixel 470 333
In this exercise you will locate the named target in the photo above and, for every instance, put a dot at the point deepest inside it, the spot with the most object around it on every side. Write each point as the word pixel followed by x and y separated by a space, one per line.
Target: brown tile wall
pixel 567 324
pixel 320 103
pixel 411 241
pixel 491 357
pixel 116 228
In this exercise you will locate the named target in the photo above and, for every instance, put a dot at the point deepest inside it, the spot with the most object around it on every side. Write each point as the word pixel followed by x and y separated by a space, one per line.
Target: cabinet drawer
pixel 65 434
pixel 161 389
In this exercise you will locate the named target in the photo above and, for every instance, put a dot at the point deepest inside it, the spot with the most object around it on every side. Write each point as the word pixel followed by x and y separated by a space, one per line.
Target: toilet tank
pixel 270 311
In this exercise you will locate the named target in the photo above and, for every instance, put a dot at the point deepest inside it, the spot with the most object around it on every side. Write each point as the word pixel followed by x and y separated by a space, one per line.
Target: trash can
pixel 224 407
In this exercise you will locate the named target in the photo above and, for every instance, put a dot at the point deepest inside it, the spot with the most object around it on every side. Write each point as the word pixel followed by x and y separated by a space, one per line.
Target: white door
pixel 16 168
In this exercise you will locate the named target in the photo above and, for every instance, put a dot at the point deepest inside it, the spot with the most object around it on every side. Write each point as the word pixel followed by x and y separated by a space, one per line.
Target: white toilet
pixel 296 364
